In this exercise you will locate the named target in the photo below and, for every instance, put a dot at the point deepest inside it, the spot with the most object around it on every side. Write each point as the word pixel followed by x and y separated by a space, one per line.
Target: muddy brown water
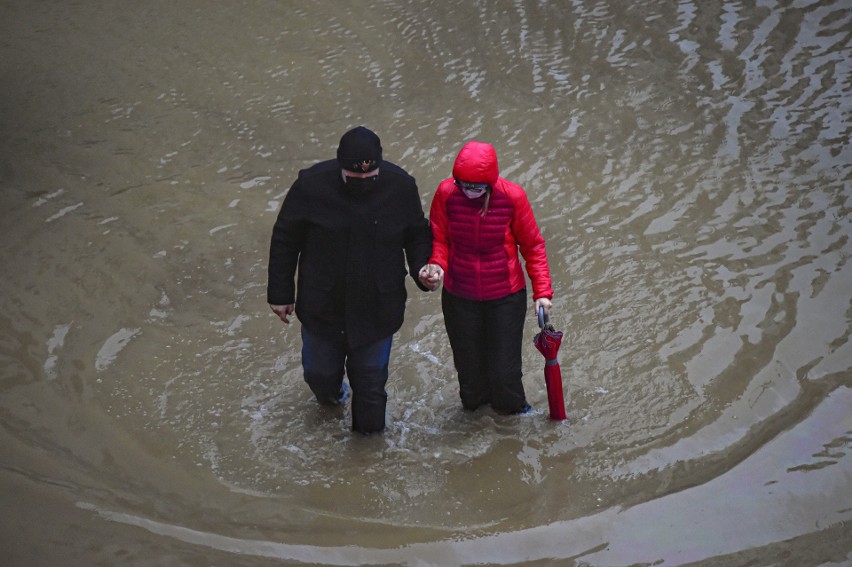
pixel 689 164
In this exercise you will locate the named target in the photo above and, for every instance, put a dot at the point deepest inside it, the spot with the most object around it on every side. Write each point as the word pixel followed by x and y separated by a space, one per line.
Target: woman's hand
pixel 545 303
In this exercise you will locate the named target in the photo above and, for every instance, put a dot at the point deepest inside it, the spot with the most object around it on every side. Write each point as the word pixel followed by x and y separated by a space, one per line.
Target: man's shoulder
pixel 320 168
pixel 393 170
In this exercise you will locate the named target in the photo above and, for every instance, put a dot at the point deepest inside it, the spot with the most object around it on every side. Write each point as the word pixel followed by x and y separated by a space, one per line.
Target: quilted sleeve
pixel 532 246
pixel 440 229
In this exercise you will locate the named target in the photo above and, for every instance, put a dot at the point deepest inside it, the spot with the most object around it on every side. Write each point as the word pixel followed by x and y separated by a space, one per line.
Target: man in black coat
pixel 348 226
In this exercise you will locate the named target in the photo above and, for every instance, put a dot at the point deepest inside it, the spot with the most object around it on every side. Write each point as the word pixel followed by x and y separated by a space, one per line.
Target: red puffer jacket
pixel 479 253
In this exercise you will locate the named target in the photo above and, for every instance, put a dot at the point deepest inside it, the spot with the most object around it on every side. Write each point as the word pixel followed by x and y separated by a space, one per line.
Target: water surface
pixel 689 165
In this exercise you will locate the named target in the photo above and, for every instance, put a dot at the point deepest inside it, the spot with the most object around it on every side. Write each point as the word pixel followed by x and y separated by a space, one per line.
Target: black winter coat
pixel 350 249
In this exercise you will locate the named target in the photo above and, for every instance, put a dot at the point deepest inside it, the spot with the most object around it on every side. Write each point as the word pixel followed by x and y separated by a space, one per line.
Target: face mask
pixel 361 183
pixel 473 193
pixel 472 190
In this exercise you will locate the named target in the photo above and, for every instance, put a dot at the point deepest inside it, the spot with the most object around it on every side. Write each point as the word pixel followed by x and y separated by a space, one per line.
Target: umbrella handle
pixel 543 319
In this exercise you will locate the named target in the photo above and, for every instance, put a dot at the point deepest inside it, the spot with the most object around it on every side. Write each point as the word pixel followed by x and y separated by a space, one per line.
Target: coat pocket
pixel 316 298
pixel 392 294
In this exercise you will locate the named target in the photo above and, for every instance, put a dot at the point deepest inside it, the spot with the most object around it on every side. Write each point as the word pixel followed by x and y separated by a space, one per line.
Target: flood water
pixel 690 167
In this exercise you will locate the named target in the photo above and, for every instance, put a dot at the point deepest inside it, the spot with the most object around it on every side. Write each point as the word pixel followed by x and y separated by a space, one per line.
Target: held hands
pixel 431 276
pixel 283 311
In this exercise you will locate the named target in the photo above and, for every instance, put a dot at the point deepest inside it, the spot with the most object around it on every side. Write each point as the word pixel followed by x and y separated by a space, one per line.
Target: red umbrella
pixel 547 342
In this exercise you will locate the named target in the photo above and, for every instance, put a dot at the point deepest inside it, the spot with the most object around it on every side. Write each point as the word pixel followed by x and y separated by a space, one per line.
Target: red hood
pixel 477 163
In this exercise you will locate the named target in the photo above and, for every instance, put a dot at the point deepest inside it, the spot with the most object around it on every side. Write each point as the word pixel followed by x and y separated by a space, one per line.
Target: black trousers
pixel 486 338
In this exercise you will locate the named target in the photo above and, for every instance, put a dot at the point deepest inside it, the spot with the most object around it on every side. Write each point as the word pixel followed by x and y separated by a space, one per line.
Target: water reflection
pixel 760 493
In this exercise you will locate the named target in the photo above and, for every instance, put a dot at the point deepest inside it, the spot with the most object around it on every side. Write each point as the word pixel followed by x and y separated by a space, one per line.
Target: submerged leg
pixel 367 368
pixel 323 363
pixel 505 337
pixel 465 326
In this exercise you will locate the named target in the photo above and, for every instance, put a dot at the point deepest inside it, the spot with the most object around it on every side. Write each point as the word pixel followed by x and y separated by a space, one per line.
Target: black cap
pixel 359 150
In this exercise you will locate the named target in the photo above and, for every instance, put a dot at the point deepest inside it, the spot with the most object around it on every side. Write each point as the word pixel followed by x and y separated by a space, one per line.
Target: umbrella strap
pixel 551 362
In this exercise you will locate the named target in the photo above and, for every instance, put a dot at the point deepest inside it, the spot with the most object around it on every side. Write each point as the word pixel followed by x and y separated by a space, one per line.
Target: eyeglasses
pixel 472 187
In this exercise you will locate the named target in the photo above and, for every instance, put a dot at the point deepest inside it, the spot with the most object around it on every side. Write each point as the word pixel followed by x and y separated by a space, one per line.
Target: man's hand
pixel 431 276
pixel 283 311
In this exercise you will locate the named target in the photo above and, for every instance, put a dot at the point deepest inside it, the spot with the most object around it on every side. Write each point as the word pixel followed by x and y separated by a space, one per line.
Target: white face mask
pixel 472 190
pixel 473 193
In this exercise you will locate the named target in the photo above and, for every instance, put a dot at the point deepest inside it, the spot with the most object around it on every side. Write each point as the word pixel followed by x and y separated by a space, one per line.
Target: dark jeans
pixel 486 338
pixel 324 361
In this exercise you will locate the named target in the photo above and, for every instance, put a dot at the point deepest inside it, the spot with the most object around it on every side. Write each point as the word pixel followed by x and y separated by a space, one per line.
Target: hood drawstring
pixel 485 201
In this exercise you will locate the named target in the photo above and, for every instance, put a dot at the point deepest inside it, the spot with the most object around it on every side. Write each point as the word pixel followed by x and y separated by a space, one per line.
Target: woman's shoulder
pixel 510 189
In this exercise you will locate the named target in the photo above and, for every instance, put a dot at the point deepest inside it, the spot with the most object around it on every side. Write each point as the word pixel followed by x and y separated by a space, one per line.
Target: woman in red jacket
pixel 479 223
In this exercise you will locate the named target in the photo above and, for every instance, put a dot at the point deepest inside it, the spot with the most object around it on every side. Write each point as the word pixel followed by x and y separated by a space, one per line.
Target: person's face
pixel 359 175
pixel 472 190
pixel 360 180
